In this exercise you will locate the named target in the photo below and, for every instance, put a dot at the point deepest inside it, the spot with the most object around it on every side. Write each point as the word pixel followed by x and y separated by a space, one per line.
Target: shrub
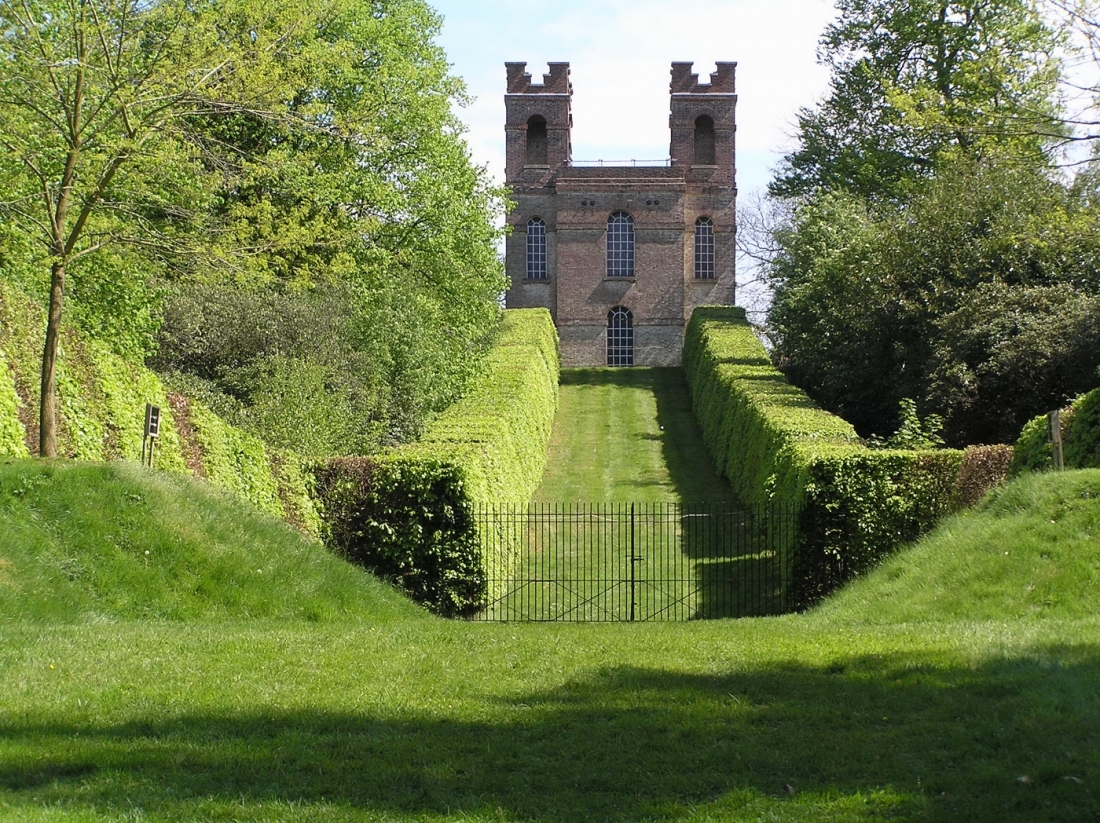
pixel 1080 422
pixel 983 469
pixel 1082 446
pixel 778 448
pixel 409 520
pixel 13 437
pixel 411 514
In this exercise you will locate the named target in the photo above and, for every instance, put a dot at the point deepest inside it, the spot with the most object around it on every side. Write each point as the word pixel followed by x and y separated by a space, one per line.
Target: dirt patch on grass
pixel 189 443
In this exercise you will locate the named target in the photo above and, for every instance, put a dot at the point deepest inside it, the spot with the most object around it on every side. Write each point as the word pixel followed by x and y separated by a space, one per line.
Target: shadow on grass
pixel 863 739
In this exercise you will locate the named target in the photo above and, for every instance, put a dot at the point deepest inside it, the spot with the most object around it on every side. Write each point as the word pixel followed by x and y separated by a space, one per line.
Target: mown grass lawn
pixel 334 700
pixel 786 719
pixel 628 436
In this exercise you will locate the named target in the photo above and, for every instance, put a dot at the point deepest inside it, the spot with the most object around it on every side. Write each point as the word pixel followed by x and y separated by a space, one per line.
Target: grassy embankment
pixel 337 702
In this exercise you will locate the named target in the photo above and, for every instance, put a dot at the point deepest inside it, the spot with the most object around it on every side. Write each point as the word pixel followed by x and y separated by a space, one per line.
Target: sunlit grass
pixel 104 542
pixel 336 701
pixel 628 436
pixel 782 719
pixel 1030 550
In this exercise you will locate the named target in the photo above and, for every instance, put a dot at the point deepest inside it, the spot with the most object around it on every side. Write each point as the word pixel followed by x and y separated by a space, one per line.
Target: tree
pixel 914 83
pixel 251 144
pixel 1009 353
pixel 871 304
pixel 383 208
pixel 95 109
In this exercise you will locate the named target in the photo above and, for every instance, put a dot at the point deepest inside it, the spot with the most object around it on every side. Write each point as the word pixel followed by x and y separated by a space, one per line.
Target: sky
pixel 620 54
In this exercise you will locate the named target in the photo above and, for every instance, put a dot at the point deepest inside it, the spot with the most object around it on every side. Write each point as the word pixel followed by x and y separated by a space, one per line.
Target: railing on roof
pixel 667 161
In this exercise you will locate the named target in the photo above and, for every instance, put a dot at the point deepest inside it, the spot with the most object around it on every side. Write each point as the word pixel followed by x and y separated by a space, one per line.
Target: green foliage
pixel 302 373
pixel 410 521
pixel 95 542
pixel 778 448
pixel 1080 438
pixel 860 505
pixel 914 433
pixel 1033 450
pixel 1082 444
pixel 916 83
pixel 1026 551
pixel 125 391
pixel 102 404
pixel 235 459
pixel 114 299
pixel 410 514
pixel 753 420
pixel 13 437
pixel 1010 351
pixel 282 147
pixel 295 487
pixel 976 298
pixel 500 429
pixel 983 468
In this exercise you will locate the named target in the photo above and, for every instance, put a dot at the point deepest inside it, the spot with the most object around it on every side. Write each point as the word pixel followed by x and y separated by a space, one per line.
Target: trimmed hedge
pixel 101 416
pixel 779 449
pixel 1080 438
pixel 983 469
pixel 410 514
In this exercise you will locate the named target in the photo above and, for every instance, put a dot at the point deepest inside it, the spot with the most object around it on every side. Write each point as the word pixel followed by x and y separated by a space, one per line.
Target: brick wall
pixel 575 203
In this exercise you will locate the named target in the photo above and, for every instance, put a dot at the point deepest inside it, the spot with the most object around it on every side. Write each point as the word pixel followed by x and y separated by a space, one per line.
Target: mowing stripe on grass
pixel 628 436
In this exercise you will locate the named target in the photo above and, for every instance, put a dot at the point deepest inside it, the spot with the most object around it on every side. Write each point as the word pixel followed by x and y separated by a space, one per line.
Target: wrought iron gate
pixel 635 562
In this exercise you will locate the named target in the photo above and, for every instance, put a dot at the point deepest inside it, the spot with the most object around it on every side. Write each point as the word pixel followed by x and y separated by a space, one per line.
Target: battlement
pixel 684 82
pixel 556 82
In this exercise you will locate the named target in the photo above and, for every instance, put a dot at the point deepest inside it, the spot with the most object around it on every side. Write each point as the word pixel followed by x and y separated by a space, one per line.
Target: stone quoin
pixel 621 254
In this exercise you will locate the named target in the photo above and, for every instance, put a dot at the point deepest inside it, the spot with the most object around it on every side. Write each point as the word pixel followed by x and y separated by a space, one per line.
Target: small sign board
pixel 152 420
pixel 152 432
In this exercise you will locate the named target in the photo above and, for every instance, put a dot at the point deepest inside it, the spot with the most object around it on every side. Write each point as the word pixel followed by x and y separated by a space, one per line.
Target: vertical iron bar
pixel 631 562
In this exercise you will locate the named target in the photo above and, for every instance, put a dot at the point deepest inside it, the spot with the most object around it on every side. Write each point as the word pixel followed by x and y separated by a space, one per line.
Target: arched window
pixel 704 141
pixel 536 249
pixel 620 337
pixel 620 245
pixel 704 249
pixel 536 141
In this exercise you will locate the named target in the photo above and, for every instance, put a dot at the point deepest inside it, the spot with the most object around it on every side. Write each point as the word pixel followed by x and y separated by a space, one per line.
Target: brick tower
pixel 621 255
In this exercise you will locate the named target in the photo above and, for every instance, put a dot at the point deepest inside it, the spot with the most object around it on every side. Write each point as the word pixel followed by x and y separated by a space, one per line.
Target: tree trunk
pixel 47 418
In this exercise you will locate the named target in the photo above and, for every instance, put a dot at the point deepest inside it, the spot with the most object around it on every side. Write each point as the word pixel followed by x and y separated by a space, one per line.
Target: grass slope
pixel 817 717
pixel 628 436
pixel 111 541
pixel 1029 550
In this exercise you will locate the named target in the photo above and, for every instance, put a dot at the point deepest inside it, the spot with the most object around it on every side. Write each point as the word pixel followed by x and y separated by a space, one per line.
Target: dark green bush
pixel 778 448
pixel 411 521
pixel 859 505
pixel 410 514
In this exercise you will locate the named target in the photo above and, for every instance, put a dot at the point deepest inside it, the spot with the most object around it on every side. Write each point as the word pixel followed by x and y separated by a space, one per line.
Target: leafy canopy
pixel 915 83
pixel 150 145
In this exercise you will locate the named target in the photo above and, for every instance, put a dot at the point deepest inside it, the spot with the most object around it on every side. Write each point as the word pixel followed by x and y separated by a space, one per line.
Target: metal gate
pixel 635 562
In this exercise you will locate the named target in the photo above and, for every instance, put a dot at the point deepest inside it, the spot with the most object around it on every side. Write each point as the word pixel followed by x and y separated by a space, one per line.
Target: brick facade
pixel 575 203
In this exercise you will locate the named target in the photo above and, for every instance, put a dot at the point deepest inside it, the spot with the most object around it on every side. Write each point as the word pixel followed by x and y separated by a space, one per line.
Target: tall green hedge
pixel 411 514
pixel 101 416
pixel 1080 438
pixel 779 449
